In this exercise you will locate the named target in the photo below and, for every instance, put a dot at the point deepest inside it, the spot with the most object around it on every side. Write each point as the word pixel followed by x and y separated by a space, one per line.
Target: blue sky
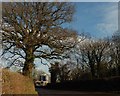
pixel 99 19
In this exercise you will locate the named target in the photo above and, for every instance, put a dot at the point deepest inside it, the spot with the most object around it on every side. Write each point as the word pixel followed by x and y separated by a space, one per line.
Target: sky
pixel 99 19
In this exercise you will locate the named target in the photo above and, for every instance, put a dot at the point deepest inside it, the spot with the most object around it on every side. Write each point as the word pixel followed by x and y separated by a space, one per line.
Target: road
pixel 48 92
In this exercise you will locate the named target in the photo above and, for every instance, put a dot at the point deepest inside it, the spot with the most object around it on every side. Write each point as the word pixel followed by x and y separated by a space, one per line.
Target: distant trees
pixel 116 51
pixel 93 53
pixel 59 72
pixel 64 71
pixel 101 56
pixel 31 28
pixel 101 48
pixel 90 59
pixel 88 56
pixel 54 70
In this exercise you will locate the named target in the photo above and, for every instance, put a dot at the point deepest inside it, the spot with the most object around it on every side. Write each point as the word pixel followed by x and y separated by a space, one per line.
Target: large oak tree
pixel 28 28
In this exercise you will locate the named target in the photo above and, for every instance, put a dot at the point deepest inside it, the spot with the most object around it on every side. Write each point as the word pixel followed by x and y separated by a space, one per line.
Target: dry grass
pixel 15 83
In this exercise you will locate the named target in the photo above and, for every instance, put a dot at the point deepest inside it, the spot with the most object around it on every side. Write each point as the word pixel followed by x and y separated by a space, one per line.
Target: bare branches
pixel 93 52
pixel 30 25
pixel 33 20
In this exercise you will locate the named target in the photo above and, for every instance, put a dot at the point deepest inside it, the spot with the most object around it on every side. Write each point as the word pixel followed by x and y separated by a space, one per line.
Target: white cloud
pixel 110 21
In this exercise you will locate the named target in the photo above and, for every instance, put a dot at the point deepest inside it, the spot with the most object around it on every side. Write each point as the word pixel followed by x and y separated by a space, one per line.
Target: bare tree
pixel 116 50
pixel 54 70
pixel 29 28
pixel 64 71
pixel 93 53
pixel 87 53
pixel 101 48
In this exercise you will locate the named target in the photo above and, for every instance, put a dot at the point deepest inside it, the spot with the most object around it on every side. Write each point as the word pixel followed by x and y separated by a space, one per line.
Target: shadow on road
pixel 48 92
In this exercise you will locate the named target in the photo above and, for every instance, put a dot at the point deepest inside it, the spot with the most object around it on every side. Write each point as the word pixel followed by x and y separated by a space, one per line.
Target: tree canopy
pixel 33 30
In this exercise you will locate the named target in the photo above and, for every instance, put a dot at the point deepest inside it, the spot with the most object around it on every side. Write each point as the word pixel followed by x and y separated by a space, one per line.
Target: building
pixel 44 79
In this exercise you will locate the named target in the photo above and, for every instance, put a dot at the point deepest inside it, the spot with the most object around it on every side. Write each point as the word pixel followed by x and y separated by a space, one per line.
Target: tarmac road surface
pixel 48 92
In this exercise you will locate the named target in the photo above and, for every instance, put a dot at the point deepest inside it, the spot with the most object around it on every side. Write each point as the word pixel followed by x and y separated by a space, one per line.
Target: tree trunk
pixel 98 69
pixel 119 64
pixel 53 76
pixel 28 65
pixel 118 69
pixel 92 70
